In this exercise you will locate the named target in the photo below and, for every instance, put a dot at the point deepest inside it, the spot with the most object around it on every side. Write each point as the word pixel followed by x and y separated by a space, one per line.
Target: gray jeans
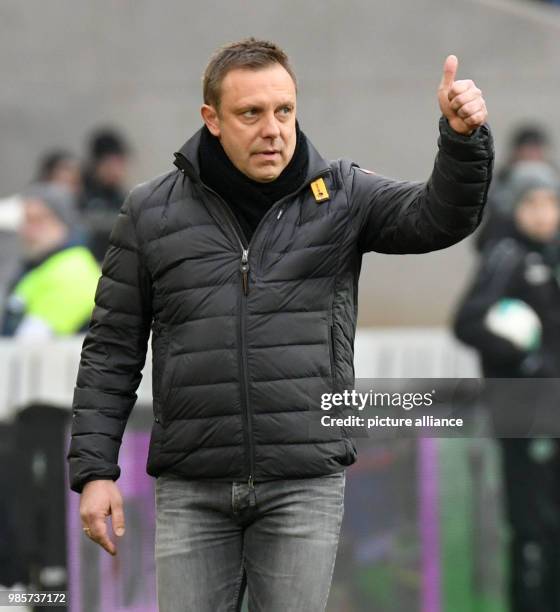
pixel 211 544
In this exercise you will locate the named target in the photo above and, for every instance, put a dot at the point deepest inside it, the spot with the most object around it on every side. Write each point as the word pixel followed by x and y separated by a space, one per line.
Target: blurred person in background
pixel 528 142
pixel 511 316
pixel 62 168
pixel 244 261
pixel 31 512
pixel 104 186
pixel 52 292
pixel 57 166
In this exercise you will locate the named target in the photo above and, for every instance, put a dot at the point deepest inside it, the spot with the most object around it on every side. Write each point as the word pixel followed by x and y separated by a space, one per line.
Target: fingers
pixel 117 517
pixel 461 102
pixel 471 108
pixel 98 533
pixel 470 95
pixel 460 87
pixel 477 119
pixel 99 500
pixel 449 71
pixel 466 101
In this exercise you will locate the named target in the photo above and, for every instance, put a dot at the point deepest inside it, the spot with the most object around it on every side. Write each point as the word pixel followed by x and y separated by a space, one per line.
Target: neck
pixel 248 198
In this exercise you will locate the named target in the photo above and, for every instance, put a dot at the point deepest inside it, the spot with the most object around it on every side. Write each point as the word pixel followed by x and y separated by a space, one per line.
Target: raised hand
pixel 460 101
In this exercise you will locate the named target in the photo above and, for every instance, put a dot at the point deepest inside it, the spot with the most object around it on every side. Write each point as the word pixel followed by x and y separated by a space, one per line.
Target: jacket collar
pixel 186 159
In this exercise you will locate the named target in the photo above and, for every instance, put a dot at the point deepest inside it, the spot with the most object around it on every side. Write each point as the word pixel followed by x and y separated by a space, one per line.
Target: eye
pixel 250 113
pixel 285 110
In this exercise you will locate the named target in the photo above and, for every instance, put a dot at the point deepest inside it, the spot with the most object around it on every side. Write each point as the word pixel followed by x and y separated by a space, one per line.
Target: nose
pixel 270 127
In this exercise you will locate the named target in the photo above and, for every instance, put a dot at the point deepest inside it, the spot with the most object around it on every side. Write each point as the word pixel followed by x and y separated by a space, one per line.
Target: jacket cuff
pixel 79 488
pixel 478 145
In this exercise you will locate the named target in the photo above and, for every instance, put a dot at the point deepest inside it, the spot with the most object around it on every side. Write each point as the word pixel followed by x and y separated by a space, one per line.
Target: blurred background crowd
pixel 497 293
pixel 54 235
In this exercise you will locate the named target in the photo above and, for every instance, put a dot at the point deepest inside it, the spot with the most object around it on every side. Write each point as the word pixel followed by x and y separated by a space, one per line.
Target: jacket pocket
pixel 160 354
pixel 351 451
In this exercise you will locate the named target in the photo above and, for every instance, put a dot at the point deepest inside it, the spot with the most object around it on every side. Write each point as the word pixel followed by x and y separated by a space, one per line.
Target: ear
pixel 211 119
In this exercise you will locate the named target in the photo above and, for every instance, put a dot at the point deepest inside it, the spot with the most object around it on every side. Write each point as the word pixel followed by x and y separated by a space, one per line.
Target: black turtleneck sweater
pixel 248 199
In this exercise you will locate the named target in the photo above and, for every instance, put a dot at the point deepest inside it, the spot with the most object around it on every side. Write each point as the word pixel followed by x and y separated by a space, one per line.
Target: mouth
pixel 270 154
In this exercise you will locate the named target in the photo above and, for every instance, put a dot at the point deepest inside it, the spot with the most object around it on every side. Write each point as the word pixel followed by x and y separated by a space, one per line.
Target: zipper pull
pixel 245 270
pixel 252 493
pixel 280 213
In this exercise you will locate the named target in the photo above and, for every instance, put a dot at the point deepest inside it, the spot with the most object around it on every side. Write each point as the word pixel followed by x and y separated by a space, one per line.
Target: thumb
pixel 449 71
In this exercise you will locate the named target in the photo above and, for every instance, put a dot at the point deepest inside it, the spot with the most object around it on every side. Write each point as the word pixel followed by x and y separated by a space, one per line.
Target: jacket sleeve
pixel 417 217
pixel 500 267
pixel 113 355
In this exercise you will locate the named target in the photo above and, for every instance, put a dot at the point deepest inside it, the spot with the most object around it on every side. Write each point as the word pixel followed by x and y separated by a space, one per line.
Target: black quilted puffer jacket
pixel 246 337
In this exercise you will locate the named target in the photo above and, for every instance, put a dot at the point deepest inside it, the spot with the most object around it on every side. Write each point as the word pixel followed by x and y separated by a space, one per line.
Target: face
pixel 68 174
pixel 256 120
pixel 112 170
pixel 538 215
pixel 530 152
pixel 40 230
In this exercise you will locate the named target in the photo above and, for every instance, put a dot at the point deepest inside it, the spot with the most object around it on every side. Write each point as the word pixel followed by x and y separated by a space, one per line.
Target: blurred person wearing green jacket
pixel 53 292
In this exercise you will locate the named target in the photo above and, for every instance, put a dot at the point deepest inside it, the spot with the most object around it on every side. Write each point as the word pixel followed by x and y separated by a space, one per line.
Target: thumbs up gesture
pixel 460 101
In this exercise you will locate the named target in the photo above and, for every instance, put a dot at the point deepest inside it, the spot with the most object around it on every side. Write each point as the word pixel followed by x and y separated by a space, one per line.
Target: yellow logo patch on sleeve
pixel 320 190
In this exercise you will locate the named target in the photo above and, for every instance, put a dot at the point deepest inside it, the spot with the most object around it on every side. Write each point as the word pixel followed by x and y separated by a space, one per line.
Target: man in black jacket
pixel 244 264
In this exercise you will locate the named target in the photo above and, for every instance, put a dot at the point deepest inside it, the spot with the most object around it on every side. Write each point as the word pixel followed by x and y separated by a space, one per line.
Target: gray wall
pixel 368 73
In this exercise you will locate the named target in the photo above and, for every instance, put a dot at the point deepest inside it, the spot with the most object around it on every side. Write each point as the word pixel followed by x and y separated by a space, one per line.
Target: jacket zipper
pixel 242 349
pixel 245 369
pixel 159 329
pixel 332 353
pixel 245 291
pixel 244 269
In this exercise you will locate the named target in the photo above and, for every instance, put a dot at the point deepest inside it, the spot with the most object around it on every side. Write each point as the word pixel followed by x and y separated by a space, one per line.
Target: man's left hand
pixel 460 101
